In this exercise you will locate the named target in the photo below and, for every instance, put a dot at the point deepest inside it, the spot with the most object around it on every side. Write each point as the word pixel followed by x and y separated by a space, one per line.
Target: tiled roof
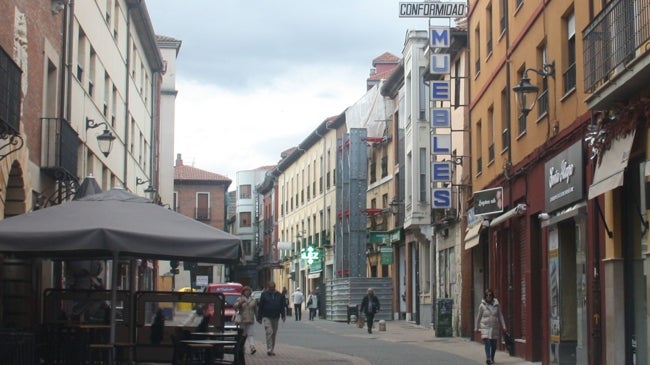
pixel 183 172
pixel 381 75
pixel 387 57
pixel 165 38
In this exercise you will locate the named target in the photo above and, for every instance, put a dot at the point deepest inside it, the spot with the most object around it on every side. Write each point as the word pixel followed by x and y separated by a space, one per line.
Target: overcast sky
pixel 255 77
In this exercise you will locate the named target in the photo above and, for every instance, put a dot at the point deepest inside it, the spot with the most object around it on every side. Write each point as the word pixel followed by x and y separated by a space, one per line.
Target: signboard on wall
pixel 488 201
pixel 432 9
pixel 563 177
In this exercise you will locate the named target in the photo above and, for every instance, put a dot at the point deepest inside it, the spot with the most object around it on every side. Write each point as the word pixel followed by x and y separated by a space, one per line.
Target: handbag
pixel 237 317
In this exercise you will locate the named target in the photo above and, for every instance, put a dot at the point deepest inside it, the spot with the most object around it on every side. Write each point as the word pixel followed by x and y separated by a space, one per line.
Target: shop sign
pixel 432 9
pixel 563 177
pixel 386 253
pixel 488 201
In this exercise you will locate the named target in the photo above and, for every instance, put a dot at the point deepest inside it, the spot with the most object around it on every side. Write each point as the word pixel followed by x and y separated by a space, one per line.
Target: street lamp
pixel 104 140
pixel 526 93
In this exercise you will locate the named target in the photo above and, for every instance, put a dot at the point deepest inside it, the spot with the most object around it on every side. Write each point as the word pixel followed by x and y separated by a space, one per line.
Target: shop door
pixel 567 294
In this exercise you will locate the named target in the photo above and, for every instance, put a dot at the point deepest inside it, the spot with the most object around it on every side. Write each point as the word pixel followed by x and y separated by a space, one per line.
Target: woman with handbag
pixel 489 320
pixel 246 307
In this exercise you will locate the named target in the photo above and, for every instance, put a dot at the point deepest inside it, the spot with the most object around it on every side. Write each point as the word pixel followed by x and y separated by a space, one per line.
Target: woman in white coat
pixel 489 320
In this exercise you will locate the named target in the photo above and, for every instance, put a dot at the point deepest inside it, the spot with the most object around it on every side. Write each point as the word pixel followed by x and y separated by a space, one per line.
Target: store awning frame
pixel 473 234
pixel 611 166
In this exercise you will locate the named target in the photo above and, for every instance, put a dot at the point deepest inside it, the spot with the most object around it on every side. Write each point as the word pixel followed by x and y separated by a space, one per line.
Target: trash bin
pixel 353 310
pixel 443 315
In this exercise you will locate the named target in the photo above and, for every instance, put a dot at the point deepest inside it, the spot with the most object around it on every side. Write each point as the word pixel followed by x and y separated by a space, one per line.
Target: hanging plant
pixel 615 123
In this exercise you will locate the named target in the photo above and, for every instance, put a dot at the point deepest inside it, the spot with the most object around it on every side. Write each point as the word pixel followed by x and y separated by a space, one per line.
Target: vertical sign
pixel 441 171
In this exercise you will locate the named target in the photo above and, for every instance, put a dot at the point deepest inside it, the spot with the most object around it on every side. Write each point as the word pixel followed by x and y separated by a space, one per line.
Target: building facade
pixel 76 75
pixel 200 195
pixel 248 224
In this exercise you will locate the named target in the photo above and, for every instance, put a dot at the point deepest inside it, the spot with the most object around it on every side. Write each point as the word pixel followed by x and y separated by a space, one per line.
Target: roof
pixel 183 172
pixel 386 57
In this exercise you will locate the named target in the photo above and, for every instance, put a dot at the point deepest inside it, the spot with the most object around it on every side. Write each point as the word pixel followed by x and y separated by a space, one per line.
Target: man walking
pixel 370 306
pixel 298 298
pixel 270 308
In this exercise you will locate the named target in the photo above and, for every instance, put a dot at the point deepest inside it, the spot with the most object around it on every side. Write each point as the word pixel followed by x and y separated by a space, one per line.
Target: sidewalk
pixel 396 332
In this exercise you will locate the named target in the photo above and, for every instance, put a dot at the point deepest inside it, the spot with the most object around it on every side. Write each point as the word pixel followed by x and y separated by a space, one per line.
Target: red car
pixel 232 291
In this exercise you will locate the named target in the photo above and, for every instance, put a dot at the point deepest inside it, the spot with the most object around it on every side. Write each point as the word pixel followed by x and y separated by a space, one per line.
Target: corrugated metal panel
pixel 350 291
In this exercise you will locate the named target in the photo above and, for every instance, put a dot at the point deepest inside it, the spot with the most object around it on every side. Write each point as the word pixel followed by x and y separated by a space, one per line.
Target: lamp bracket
pixel 548 69
pixel 140 181
pixel 90 124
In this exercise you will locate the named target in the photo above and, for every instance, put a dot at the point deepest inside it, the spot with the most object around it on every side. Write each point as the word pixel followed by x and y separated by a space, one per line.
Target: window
pixel 424 97
pixel 457 80
pixel 477 51
pixel 248 247
pixel 479 147
pixel 542 99
pixel 81 55
pixel 10 91
pixel 175 202
pixel 490 134
pixel 505 115
pixel 424 181
pixel 245 219
pixel 91 72
pixel 488 28
pixel 384 162
pixel 202 206
pixel 245 191
pixel 503 19
pixel 569 77
pixel 373 170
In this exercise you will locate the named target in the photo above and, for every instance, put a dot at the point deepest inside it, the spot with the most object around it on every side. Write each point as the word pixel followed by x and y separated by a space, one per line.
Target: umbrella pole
pixel 115 275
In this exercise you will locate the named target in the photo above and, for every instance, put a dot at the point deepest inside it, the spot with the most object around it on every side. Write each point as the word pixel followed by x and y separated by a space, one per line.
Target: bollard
pixel 382 325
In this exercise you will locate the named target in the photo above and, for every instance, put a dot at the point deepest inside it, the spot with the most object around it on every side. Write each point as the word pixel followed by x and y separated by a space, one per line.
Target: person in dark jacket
pixel 271 306
pixel 370 306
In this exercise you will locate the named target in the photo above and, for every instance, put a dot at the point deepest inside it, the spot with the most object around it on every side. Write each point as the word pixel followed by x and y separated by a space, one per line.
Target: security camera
pixel 543 216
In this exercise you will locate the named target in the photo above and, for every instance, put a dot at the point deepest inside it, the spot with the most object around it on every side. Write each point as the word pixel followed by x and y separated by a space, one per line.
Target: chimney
pixel 179 160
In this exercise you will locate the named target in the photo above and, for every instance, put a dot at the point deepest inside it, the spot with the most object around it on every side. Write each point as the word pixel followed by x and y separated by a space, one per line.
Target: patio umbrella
pixel 112 225
pixel 88 187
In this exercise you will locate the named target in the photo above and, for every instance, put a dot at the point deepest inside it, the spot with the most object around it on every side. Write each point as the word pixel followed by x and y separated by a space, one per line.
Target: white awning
pixel 472 235
pixel 611 166
pixel 313 275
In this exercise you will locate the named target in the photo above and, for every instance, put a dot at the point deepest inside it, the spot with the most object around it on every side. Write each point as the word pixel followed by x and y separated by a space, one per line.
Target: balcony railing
pixel 59 149
pixel 612 39
pixel 202 214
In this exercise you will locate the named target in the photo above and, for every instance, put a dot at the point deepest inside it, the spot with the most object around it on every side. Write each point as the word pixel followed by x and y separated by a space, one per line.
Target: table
pixel 204 348
pixel 216 334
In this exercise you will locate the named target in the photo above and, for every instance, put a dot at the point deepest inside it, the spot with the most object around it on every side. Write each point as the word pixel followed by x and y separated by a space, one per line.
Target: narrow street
pixel 328 342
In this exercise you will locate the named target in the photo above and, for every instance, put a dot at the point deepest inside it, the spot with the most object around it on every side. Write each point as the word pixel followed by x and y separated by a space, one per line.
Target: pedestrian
pixel 271 306
pixel 298 298
pixel 247 307
pixel 488 320
pixel 370 306
pixel 312 304
pixel 285 294
pixel 158 327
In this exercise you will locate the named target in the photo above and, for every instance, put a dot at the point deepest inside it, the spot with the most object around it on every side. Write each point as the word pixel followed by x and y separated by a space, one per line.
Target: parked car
pixel 231 291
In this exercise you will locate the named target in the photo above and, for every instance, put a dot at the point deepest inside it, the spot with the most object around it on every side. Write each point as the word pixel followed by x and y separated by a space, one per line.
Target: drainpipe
pixel 126 94
pixel 510 195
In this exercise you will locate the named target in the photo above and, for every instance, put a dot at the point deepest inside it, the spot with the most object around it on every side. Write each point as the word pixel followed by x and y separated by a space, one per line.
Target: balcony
pixel 614 41
pixel 59 149
pixel 202 214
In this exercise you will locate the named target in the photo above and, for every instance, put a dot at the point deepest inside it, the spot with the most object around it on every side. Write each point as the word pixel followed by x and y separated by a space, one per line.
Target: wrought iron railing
pixel 59 149
pixel 612 39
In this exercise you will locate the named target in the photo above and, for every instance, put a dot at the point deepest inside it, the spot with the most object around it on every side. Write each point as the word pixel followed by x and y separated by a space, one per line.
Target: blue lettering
pixel 441 198
pixel 440 37
pixel 440 118
pixel 440 90
pixel 441 144
pixel 441 171
pixel 440 64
